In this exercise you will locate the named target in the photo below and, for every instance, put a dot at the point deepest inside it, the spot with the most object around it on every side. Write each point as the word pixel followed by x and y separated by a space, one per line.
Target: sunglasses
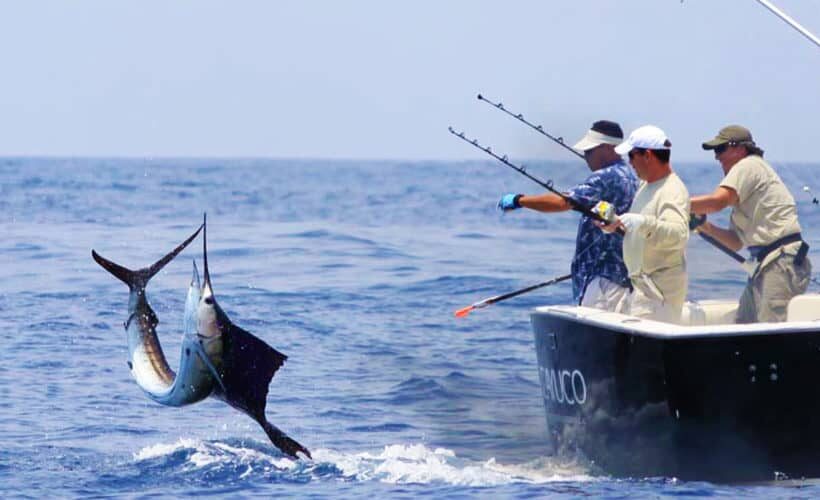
pixel 719 150
pixel 635 152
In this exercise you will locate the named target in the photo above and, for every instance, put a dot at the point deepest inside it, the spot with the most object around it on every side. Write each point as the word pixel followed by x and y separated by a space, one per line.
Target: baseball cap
pixel 646 137
pixel 731 133
pixel 601 132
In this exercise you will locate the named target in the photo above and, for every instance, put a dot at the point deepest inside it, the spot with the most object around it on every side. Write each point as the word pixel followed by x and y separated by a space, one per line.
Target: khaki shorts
pixel 643 305
pixel 648 301
pixel 767 293
pixel 602 293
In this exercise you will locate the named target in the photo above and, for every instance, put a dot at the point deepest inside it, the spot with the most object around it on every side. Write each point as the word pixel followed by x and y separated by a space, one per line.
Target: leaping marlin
pixel 218 358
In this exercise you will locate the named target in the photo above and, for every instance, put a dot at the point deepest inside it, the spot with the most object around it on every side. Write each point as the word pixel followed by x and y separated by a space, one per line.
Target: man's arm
pixel 721 198
pixel 725 236
pixel 548 202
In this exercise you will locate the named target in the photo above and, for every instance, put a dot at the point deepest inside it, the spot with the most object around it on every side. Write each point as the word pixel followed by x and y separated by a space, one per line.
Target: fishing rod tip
pixel 479 97
pixel 461 313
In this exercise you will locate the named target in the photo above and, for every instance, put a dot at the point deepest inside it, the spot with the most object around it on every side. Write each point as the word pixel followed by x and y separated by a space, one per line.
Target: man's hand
pixel 509 202
pixel 611 227
pixel 627 221
pixel 695 221
pixel 632 222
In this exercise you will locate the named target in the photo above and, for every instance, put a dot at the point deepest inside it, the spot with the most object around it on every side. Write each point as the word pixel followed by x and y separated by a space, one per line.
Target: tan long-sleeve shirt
pixel 657 249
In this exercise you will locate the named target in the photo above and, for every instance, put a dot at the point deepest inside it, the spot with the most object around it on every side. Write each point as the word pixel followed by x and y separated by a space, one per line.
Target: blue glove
pixel 509 202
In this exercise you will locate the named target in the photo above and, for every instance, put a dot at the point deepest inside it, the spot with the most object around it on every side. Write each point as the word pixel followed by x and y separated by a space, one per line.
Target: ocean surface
pixel 353 269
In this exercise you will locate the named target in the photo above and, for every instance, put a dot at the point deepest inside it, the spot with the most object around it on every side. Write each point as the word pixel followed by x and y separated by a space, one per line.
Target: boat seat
pixel 804 307
pixel 710 312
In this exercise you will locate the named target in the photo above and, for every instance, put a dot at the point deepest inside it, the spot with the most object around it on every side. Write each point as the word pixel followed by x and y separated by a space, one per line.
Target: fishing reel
pixel 606 211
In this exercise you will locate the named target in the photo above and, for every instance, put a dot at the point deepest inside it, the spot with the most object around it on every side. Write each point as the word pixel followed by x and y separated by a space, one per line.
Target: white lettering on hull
pixel 563 386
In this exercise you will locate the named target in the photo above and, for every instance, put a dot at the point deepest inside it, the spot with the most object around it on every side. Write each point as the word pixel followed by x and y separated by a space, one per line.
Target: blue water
pixel 352 269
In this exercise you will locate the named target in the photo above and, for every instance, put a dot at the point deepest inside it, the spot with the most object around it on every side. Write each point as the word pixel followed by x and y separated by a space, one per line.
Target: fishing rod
pixel 463 312
pixel 578 207
pixel 749 266
pixel 788 20
pixel 537 128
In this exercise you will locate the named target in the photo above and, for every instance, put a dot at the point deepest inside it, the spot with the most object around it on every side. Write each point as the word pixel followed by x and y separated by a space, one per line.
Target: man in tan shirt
pixel 656 229
pixel 764 219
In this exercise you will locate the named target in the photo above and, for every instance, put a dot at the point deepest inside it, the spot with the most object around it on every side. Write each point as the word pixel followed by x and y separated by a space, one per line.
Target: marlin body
pixel 146 359
pixel 218 358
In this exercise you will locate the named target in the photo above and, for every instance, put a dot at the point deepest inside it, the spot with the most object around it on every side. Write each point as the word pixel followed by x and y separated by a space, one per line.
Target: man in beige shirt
pixel 764 219
pixel 656 229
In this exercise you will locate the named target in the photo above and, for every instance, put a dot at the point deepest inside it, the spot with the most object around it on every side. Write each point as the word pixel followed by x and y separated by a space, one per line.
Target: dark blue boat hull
pixel 724 408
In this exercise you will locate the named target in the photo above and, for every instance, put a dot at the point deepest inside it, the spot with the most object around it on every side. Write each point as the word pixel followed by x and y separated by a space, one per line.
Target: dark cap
pixel 602 132
pixel 609 128
pixel 734 134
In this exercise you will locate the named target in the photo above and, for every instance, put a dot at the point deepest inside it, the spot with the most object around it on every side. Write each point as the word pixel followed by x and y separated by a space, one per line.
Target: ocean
pixel 351 268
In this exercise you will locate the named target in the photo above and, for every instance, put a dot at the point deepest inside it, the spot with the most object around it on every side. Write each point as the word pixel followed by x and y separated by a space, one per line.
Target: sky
pixel 362 79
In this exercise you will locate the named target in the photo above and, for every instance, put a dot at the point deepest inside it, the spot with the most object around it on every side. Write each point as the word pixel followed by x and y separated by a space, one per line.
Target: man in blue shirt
pixel 599 276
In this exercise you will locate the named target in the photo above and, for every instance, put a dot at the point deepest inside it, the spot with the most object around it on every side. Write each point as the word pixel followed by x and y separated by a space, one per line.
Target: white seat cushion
pixel 709 312
pixel 804 307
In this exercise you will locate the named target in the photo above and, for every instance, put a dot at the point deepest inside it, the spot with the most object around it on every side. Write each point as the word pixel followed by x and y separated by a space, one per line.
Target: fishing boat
pixel 704 399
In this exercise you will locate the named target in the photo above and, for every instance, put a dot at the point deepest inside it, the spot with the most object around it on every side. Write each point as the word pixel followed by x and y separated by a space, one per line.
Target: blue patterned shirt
pixel 598 254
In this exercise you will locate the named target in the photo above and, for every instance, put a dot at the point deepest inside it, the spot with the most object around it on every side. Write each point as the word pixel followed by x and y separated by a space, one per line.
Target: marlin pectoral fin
pixel 127 322
pixel 200 351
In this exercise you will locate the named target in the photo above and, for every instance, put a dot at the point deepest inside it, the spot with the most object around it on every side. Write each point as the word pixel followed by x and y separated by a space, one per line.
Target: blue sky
pixel 380 79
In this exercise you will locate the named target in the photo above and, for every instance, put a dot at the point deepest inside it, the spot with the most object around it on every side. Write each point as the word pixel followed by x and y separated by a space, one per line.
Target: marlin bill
pixel 218 359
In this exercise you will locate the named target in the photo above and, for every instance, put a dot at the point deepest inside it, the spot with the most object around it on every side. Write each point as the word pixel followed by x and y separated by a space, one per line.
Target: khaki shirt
pixel 657 249
pixel 765 210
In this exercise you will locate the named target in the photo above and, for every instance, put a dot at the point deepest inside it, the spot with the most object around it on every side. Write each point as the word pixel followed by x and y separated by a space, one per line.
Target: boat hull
pixel 723 407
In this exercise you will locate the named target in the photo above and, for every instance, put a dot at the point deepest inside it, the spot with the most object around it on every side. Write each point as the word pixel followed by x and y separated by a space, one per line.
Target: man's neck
pixel 659 172
pixel 609 163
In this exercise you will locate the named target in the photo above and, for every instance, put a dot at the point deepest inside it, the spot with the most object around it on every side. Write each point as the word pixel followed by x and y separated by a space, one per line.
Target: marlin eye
pixel 209 301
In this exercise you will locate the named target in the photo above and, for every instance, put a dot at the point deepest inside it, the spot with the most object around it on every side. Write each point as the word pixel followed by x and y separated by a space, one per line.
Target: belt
pixel 760 252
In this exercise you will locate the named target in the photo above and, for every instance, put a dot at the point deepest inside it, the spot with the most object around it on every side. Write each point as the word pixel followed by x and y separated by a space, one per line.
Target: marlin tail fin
pixel 139 278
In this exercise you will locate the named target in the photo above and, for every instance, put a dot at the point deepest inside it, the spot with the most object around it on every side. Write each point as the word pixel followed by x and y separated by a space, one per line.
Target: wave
pixel 394 464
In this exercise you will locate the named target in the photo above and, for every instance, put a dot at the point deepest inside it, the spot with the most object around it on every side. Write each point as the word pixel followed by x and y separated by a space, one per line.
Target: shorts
pixel 602 293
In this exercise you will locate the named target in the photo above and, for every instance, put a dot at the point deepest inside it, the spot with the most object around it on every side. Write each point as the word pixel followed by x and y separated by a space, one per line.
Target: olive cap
pixel 734 134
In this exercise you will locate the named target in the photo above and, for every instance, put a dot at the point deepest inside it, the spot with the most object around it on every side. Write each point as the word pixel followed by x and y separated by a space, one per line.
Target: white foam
pixel 161 450
pixel 418 464
pixel 395 464
pixel 209 453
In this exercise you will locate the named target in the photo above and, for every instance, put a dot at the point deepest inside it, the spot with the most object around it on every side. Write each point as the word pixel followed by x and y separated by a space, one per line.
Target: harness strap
pixel 760 252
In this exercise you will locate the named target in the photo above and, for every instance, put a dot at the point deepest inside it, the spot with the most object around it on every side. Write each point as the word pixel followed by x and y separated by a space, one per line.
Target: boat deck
pixel 699 318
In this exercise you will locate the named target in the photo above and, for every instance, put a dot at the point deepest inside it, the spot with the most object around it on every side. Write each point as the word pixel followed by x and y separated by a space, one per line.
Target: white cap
pixel 594 139
pixel 646 137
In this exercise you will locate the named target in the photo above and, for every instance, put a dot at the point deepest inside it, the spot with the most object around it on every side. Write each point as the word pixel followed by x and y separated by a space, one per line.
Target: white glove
pixel 632 222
